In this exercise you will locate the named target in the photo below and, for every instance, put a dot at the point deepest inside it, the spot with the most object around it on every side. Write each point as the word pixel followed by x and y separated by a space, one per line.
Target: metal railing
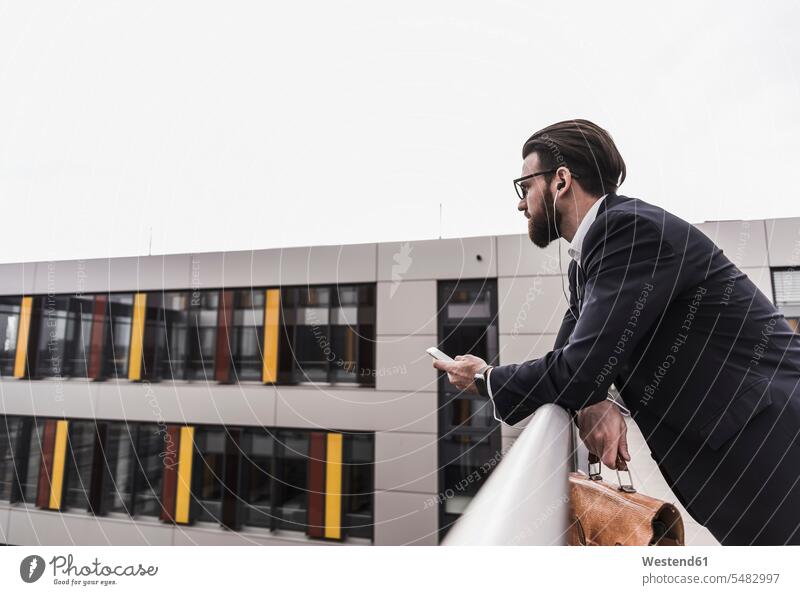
pixel 525 501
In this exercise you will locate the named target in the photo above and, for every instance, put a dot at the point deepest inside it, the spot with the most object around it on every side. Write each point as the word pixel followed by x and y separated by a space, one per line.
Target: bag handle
pixel 594 475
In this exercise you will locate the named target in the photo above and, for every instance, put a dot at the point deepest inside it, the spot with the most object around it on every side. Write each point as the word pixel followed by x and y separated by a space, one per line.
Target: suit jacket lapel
pixel 611 199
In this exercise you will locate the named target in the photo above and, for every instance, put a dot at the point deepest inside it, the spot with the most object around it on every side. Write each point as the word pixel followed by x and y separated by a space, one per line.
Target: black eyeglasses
pixel 522 190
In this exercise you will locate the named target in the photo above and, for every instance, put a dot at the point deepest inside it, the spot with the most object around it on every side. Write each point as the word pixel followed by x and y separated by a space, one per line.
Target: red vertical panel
pixel 170 483
pixel 222 361
pixel 46 465
pixel 96 340
pixel 316 485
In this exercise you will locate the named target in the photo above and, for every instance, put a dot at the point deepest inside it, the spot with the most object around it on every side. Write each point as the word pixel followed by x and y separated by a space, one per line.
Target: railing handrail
pixel 525 501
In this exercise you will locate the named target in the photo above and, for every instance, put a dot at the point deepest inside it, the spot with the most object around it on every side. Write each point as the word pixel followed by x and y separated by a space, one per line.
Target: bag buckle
pixel 623 466
pixel 594 462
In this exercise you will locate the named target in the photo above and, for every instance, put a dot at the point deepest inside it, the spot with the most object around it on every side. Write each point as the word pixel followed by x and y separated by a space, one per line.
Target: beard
pixel 543 227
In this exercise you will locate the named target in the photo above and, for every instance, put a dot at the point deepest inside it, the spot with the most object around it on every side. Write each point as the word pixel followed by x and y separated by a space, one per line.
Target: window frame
pixel 290 371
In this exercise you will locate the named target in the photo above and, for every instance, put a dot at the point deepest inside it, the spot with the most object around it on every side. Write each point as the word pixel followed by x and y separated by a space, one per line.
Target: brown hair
pixel 586 149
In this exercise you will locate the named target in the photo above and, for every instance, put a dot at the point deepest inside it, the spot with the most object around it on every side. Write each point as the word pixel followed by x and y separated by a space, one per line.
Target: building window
pixel 328 334
pixel 117 335
pixel 78 464
pixel 120 456
pixel 469 436
pixel 64 336
pixel 133 469
pixel 463 457
pixel 291 474
pixel 246 335
pixel 166 335
pixel 79 332
pixel 9 325
pixel 207 474
pixel 151 444
pixel 240 476
pixel 257 477
pixel 358 487
pixel 202 335
pixel 31 458
pixel 786 290
pixel 9 440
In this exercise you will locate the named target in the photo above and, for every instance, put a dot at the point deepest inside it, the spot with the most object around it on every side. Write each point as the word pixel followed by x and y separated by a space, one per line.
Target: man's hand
pixel 603 431
pixel 461 372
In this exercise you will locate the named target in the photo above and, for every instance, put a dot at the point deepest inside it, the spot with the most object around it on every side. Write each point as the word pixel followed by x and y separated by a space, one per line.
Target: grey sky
pixel 238 125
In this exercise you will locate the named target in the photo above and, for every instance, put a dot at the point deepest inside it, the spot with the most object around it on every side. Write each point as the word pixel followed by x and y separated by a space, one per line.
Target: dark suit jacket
pixel 707 365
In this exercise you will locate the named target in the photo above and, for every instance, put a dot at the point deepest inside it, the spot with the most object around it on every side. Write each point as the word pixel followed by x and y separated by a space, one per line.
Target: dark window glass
pixel 468 326
pixel 34 430
pixel 151 448
pixel 166 336
pixel 328 334
pixel 462 408
pixel 202 335
pixel 79 334
pixel 247 334
pixel 312 346
pixel 9 438
pixel 358 485
pixel 207 474
pixel 470 301
pixel 117 335
pixel 786 291
pixel 9 325
pixel 469 437
pixel 291 485
pixel 462 456
pixel 257 477
pixel 78 464
pixel 52 336
pixel 120 459
pixel 64 336
pixel 344 334
pixel 344 340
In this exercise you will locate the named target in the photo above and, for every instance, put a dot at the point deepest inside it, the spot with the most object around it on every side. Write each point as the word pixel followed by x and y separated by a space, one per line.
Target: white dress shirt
pixel 574 250
pixel 576 245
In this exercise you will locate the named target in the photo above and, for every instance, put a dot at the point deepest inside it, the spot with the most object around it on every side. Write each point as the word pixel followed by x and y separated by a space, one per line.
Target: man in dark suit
pixel 708 367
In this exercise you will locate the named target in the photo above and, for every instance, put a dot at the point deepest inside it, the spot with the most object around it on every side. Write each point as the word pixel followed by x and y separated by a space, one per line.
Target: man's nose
pixel 522 205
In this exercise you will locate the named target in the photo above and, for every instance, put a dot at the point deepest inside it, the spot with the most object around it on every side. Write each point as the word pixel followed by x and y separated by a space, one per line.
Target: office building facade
pixel 280 396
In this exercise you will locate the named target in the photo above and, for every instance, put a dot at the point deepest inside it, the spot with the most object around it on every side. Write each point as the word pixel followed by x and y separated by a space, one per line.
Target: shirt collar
pixel 576 245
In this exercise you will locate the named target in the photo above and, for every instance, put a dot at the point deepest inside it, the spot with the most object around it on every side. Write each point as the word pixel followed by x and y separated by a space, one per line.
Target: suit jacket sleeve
pixel 631 277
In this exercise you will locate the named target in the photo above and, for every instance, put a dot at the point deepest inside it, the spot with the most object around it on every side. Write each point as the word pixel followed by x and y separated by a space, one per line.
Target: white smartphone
pixel 437 354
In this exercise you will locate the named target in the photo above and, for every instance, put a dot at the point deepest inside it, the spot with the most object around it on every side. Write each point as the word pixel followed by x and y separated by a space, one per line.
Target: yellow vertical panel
pixel 333 488
pixel 59 458
pixel 184 487
pixel 137 337
pixel 271 317
pixel 24 329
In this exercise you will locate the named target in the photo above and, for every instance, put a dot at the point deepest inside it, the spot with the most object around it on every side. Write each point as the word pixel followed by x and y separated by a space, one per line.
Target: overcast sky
pixel 241 125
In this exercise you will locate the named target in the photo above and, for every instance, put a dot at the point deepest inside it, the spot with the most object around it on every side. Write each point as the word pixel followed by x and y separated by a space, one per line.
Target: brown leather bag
pixel 603 514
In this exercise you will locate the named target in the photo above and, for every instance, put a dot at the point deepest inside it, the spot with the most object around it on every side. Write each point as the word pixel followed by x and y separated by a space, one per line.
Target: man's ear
pixel 563 180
